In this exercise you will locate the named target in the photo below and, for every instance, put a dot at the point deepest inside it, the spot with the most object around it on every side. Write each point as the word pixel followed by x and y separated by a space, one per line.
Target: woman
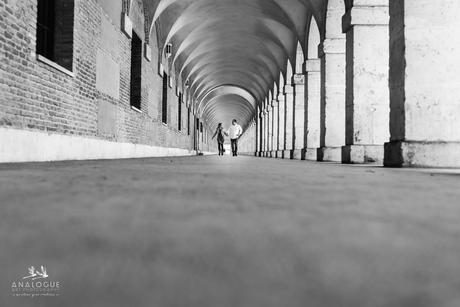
pixel 220 138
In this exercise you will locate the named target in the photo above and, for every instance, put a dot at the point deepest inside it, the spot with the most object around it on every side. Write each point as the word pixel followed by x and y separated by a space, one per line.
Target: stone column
pixel 367 93
pixel 272 131
pixel 275 128
pixel 298 83
pixel 265 132
pixel 281 126
pixel 261 132
pixel 257 133
pixel 332 55
pixel 424 84
pixel 289 132
pixel 312 69
pixel 269 128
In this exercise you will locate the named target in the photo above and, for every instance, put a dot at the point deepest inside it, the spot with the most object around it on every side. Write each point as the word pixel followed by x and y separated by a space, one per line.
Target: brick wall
pixel 92 102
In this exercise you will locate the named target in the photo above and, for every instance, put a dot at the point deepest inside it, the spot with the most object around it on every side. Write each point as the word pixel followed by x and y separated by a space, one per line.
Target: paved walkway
pixel 243 232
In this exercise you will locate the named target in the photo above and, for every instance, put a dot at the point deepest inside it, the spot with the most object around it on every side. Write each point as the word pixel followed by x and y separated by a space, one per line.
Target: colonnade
pixel 370 89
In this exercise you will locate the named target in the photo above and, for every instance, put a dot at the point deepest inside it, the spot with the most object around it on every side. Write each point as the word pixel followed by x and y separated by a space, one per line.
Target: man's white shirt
pixel 234 131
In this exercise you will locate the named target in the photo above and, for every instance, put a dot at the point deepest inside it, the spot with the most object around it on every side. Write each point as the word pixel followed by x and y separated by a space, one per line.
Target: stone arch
pixel 281 83
pixel 289 72
pixel 275 90
pixel 299 59
pixel 314 39
pixel 197 51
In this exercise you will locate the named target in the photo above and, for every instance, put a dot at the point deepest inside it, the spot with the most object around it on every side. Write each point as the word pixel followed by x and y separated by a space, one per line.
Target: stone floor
pixel 218 232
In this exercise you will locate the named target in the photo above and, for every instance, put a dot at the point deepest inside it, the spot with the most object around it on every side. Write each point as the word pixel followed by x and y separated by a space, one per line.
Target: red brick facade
pixel 37 96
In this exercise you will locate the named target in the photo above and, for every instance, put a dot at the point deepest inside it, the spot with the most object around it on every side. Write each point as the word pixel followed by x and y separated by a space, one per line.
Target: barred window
pixel 136 71
pixel 55 22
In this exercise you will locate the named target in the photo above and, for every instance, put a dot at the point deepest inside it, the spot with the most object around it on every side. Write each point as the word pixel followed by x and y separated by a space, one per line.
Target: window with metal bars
pixel 55 22
pixel 136 71
pixel 179 113
pixel 164 100
pixel 188 120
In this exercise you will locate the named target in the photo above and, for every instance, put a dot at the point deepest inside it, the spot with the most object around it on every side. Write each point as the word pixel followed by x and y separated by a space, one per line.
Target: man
pixel 234 132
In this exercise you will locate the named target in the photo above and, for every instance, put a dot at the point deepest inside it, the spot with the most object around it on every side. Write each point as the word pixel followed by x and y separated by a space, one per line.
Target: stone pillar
pixel 265 132
pixel 289 132
pixel 261 132
pixel 298 83
pixel 367 93
pixel 262 135
pixel 275 129
pixel 281 126
pixel 272 123
pixel 269 132
pixel 257 133
pixel 424 84
pixel 312 69
pixel 332 55
pixel 270 129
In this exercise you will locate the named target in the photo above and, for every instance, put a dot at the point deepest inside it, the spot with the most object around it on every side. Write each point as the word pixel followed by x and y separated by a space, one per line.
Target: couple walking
pixel 234 132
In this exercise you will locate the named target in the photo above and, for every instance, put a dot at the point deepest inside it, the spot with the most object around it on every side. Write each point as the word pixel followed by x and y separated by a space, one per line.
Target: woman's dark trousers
pixel 221 148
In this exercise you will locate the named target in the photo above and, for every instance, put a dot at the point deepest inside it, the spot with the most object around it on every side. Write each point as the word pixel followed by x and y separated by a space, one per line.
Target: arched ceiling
pixel 231 51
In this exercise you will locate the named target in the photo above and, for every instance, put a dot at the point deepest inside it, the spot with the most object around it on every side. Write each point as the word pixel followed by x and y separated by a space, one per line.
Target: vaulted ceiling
pixel 232 51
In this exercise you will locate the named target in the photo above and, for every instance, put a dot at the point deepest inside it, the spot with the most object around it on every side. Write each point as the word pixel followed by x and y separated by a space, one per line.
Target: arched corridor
pixel 338 81
pixel 355 102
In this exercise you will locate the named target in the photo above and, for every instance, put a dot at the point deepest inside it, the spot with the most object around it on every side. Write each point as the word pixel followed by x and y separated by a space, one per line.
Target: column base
pixel 297 154
pixel 329 154
pixel 287 154
pixel 362 154
pixel 422 154
pixel 310 154
pixel 279 154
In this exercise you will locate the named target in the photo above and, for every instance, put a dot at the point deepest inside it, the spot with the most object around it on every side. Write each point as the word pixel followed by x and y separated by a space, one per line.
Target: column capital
pixel 312 65
pixel 298 79
pixel 274 103
pixel 332 46
pixel 376 13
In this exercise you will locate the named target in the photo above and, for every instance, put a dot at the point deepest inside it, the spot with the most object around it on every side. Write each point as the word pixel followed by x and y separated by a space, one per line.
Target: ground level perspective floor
pixel 231 231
